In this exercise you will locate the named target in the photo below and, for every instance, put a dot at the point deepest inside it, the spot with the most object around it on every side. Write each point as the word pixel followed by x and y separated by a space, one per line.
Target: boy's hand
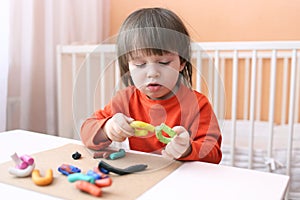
pixel 179 145
pixel 117 128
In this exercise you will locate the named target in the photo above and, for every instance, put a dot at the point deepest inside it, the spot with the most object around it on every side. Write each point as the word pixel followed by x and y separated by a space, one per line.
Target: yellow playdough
pixel 42 181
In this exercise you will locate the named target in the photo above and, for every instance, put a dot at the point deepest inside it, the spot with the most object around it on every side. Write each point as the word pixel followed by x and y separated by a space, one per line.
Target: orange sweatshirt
pixel 187 108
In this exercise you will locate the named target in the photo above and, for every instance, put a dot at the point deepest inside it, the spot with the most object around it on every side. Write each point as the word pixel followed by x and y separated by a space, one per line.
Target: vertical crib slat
pixel 297 99
pixel 216 84
pixel 74 73
pixel 291 110
pixel 88 85
pixel 291 114
pixel 246 88
pixel 222 101
pixel 210 79
pixel 252 109
pixel 234 103
pixel 259 89
pixel 102 79
pixel 284 90
pixel 198 70
pixel 272 101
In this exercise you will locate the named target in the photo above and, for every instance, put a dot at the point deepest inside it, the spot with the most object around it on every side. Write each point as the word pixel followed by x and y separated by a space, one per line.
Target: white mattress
pixel 260 153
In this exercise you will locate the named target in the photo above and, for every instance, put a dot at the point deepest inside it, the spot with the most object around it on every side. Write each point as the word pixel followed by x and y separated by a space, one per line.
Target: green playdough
pixel 166 129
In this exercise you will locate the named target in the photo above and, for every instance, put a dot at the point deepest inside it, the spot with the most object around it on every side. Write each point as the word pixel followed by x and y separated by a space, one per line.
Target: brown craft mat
pixel 123 187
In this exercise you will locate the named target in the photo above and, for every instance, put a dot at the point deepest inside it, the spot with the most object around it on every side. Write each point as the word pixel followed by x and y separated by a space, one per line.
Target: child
pixel 153 48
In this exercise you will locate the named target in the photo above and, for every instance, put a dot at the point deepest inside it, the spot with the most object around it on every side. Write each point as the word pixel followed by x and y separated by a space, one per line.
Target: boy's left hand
pixel 179 145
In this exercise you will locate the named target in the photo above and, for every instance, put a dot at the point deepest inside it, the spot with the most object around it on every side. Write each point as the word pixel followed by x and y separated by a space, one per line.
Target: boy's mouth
pixel 153 87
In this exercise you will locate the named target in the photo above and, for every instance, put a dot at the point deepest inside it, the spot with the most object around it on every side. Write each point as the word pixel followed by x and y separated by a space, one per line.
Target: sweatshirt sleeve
pixel 205 135
pixel 91 132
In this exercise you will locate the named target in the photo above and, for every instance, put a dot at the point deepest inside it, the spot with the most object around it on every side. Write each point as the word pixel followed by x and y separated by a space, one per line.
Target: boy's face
pixel 155 75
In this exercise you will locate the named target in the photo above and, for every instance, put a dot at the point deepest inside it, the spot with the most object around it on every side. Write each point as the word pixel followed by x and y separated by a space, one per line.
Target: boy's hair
pixel 154 31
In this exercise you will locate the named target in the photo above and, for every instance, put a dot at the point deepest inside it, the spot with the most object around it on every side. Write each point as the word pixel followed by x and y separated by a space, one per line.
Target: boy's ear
pixel 182 65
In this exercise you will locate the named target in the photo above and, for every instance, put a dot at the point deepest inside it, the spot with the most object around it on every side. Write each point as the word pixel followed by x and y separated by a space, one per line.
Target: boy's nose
pixel 152 71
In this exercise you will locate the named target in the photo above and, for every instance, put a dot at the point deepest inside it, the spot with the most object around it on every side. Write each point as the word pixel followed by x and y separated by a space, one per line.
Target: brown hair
pixel 154 31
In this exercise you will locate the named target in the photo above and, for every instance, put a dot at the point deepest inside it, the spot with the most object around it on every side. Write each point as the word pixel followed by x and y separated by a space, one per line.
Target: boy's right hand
pixel 117 128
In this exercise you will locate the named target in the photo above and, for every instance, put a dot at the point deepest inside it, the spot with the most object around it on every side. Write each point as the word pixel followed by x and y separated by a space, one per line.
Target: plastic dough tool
pixel 142 129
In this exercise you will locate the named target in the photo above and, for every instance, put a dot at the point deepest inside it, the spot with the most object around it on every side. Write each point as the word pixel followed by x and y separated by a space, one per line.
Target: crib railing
pixel 258 54
pixel 254 81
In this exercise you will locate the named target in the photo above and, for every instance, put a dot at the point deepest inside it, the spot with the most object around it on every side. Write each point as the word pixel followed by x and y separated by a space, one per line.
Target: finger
pixel 179 144
pixel 122 123
pixel 117 137
pixel 166 155
pixel 120 117
pixel 116 133
pixel 182 138
pixel 128 130
pixel 129 119
pixel 179 129
pixel 175 150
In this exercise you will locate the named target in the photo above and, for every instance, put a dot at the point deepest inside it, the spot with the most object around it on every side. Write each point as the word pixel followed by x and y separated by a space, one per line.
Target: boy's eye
pixel 139 64
pixel 164 63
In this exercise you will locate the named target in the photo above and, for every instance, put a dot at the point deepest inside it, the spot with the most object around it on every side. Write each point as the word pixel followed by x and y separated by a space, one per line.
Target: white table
pixel 193 180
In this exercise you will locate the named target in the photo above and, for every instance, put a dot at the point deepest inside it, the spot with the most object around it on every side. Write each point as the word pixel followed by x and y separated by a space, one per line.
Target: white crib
pixel 254 88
